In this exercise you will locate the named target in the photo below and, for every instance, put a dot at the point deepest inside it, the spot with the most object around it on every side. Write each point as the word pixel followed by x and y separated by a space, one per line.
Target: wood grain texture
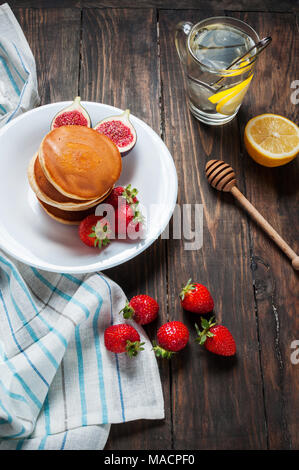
pixel 54 37
pixel 274 192
pixel 115 56
pixel 237 5
pixel 217 403
pixel 119 67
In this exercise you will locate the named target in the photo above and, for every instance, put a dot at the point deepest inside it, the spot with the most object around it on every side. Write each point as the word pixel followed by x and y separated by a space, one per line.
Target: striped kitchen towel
pixel 59 386
pixel 18 83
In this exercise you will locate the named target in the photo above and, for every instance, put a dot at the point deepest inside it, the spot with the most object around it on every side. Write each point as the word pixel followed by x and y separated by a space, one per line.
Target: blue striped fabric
pixel 18 82
pixel 59 386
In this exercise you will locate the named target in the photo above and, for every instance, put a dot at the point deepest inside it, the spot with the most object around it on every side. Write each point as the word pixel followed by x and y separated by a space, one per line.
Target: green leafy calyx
pixel 127 311
pixel 133 348
pixel 161 352
pixel 188 288
pixel 205 332
pixel 100 232
pixel 130 194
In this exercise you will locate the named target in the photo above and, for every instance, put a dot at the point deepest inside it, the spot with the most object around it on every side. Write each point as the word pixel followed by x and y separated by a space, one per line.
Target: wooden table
pixel 122 53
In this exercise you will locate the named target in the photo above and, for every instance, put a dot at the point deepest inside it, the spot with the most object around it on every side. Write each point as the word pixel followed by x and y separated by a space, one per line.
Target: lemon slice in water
pixel 241 69
pixel 228 100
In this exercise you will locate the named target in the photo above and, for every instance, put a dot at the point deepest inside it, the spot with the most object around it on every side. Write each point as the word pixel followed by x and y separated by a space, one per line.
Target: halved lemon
pixel 271 140
pixel 228 100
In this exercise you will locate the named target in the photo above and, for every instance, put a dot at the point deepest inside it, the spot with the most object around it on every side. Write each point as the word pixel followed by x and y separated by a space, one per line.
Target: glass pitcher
pixel 206 50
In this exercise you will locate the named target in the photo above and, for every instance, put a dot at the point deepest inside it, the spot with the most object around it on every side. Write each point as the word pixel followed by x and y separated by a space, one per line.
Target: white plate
pixel 31 236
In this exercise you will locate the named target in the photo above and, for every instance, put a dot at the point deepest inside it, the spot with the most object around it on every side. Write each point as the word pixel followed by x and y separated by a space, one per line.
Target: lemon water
pixel 216 46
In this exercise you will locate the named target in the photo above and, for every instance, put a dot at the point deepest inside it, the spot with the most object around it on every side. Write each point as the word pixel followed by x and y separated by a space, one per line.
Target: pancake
pixel 65 217
pixel 79 162
pixel 46 192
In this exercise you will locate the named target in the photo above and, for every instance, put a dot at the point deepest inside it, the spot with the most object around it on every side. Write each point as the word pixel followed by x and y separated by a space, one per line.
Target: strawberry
pixel 114 195
pixel 172 337
pixel 142 308
pixel 196 298
pixel 124 214
pixel 127 218
pixel 216 338
pixel 126 192
pixel 95 231
pixel 123 338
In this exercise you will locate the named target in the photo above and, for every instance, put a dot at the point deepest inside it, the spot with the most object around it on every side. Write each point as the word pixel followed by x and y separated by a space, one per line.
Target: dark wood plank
pixel 54 37
pixel 227 409
pixel 274 192
pixel 120 67
pixel 217 403
pixel 179 4
pixel 237 5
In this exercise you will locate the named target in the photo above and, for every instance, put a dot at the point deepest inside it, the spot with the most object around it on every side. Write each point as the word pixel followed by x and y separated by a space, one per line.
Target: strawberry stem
pixel 130 194
pixel 188 287
pixel 138 218
pixel 133 348
pixel 100 232
pixel 161 352
pixel 127 311
pixel 205 333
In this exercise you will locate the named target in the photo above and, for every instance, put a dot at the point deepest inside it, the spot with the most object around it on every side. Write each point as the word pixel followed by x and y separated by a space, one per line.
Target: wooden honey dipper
pixel 222 177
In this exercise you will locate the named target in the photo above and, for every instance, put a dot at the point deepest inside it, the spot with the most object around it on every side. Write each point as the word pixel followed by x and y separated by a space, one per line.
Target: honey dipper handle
pixel 266 227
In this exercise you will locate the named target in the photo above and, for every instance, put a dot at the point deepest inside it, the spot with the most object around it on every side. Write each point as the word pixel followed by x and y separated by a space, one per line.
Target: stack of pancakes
pixel 73 171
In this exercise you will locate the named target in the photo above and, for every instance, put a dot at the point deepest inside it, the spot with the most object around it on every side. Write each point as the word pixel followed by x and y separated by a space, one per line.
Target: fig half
pixel 73 115
pixel 120 130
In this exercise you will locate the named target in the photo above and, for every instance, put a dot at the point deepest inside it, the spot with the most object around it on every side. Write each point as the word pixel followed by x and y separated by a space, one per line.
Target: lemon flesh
pixel 271 140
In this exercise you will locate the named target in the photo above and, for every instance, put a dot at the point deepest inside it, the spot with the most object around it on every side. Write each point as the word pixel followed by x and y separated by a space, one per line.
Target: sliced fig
pixel 120 130
pixel 73 115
